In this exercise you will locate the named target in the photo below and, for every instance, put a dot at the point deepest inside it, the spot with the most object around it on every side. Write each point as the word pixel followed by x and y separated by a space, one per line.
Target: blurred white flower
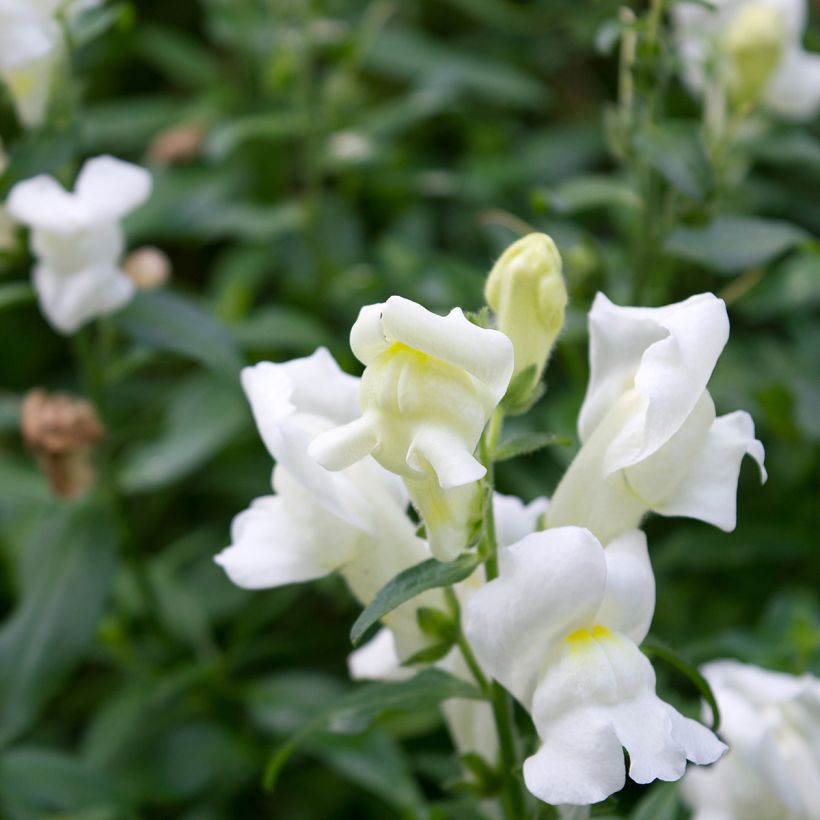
pixel 560 629
pixel 77 238
pixel 772 724
pixel 353 521
pixel 30 46
pixel 430 385
pixel 650 436
pixel 753 49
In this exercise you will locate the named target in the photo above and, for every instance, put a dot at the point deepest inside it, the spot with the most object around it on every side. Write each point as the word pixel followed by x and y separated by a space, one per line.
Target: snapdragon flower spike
pixel 429 387
pixel 772 723
pixel 77 238
pixel 651 439
pixel 559 628
pixel 30 46
pixel 318 522
pixel 754 49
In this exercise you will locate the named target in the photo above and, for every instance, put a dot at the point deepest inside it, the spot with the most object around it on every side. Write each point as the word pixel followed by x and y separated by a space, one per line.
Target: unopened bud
pixel 148 267
pixel 526 290
pixel 754 43
pixel 62 432
pixel 176 145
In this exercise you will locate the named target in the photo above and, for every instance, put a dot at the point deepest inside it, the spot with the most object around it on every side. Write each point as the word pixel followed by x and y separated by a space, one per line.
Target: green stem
pixel 512 796
pixel 92 374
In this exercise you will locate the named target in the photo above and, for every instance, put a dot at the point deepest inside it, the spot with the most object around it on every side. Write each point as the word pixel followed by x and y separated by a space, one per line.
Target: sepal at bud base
pixel 526 290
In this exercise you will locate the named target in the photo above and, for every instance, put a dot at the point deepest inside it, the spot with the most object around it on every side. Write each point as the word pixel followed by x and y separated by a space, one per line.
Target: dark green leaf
pixel 430 654
pixel 40 782
pixel 203 415
pixel 677 154
pixel 362 705
pixel 661 803
pixel 436 624
pixel 527 443
pixel 172 323
pixel 410 583
pixel 588 192
pixel 70 563
pixel 730 244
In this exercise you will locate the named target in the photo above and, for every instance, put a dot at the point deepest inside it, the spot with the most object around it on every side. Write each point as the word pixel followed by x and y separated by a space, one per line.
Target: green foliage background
pixel 354 150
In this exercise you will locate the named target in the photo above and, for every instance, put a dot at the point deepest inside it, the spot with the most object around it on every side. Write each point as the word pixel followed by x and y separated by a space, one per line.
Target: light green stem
pixel 512 796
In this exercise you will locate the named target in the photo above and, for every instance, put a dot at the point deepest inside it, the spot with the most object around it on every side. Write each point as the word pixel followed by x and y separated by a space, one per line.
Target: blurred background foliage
pixel 312 156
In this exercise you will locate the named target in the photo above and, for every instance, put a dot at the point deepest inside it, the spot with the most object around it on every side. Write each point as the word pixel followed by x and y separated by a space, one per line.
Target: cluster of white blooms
pixel 78 240
pixel 772 722
pixel 750 51
pixel 560 627
pixel 31 46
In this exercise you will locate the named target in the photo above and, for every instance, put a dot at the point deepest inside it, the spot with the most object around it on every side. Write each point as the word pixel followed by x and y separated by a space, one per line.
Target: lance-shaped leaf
pixel 526 443
pixel 410 583
pixel 360 706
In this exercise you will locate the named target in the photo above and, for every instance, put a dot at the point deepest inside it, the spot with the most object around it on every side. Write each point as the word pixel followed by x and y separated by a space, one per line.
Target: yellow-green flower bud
pixel 526 290
pixel 754 43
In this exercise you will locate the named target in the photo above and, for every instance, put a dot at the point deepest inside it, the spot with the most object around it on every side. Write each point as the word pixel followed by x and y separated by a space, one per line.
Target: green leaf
pixel 654 649
pixel 526 443
pixel 677 154
pixel 588 192
pixel 430 654
pixel 16 293
pixel 66 573
pixel 203 415
pixel 172 323
pixel 730 244
pixel 522 392
pixel 437 624
pixel 360 706
pixel 410 583
pixel 661 803
pixel 41 782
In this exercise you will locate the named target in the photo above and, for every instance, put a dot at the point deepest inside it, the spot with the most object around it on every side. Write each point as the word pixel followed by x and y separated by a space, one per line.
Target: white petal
pixel 515 520
pixel 553 583
pixel 437 446
pixel 794 91
pixel 629 602
pixel 68 301
pixel 25 38
pixel 30 84
pixel 378 660
pixel 41 202
pixel 709 490
pixel 485 354
pixel 450 516
pixel 286 539
pixel 667 354
pixel 581 761
pixel 109 188
pixel 340 447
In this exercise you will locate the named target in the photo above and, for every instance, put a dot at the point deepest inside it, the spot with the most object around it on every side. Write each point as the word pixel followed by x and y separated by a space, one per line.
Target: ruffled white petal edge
pixel 709 491
pixel 485 354
pixel 41 202
pixel 514 519
pixel 667 354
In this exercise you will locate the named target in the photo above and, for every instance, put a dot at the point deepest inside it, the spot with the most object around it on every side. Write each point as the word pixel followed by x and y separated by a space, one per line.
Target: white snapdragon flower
pixel 30 46
pixel 772 723
pixel 429 387
pixel 753 48
pixel 560 628
pixel 318 522
pixel 78 240
pixel 470 722
pixel 650 437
